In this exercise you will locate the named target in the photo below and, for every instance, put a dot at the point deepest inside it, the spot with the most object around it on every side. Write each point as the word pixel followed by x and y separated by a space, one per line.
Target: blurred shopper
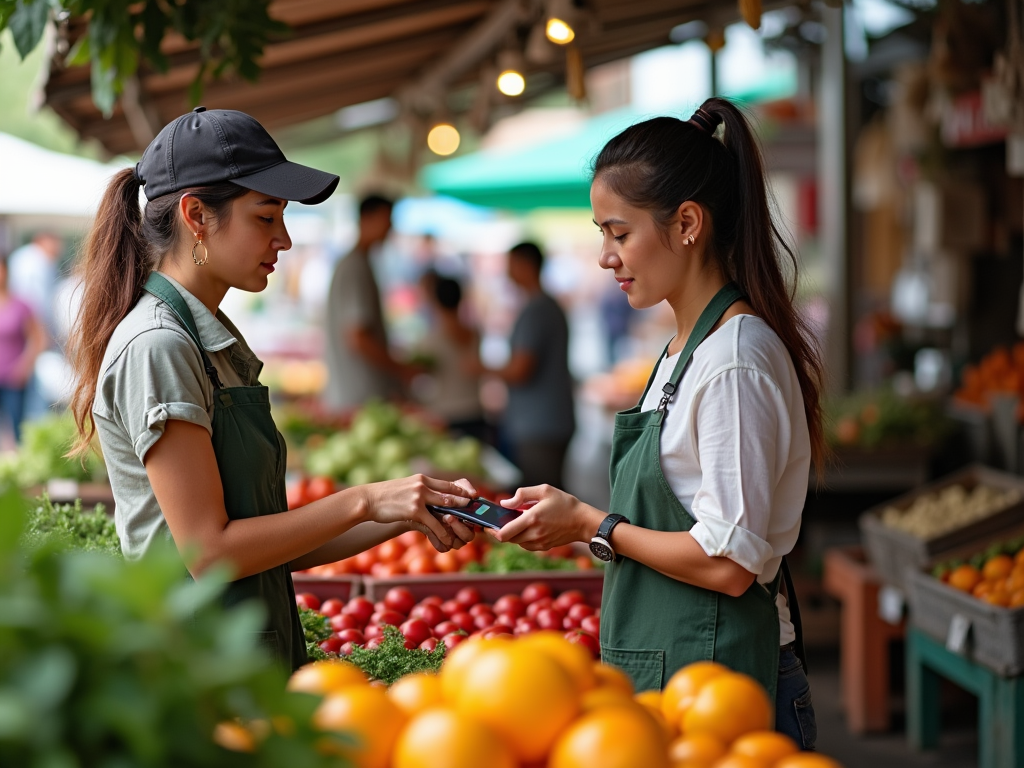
pixel 455 347
pixel 539 419
pixel 709 471
pixel 616 317
pixel 33 275
pixel 22 338
pixel 359 364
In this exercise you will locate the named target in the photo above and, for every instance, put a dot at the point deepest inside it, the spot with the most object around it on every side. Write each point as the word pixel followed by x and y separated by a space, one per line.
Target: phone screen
pixel 481 512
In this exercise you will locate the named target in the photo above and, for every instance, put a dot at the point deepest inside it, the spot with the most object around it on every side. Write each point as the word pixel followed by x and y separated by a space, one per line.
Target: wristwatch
pixel 601 545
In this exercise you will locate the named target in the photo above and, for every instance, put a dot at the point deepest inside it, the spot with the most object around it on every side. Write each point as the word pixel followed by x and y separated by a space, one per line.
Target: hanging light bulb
pixel 560 16
pixel 511 81
pixel 443 139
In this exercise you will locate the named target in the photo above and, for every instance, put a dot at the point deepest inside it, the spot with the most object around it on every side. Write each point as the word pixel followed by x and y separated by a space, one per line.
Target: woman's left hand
pixel 552 518
pixel 461 534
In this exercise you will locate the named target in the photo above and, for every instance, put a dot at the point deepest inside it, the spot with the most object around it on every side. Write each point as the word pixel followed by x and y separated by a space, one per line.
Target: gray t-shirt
pixel 152 371
pixel 542 407
pixel 354 302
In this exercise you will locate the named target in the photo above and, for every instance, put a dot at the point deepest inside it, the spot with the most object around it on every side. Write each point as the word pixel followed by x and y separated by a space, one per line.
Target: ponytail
pixel 661 163
pixel 114 266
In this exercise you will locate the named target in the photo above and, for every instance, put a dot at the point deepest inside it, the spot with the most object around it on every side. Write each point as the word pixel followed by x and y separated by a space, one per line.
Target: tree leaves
pixel 27 23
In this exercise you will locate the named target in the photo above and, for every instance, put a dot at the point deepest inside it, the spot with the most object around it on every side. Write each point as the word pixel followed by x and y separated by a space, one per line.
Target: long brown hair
pixel 661 163
pixel 124 245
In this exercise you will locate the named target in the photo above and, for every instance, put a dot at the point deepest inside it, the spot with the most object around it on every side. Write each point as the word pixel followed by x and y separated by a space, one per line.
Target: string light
pixel 559 32
pixel 511 82
pixel 443 139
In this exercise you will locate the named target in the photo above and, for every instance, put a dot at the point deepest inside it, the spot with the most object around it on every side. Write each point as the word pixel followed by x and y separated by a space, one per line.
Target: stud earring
pixel 206 253
pixel 689 240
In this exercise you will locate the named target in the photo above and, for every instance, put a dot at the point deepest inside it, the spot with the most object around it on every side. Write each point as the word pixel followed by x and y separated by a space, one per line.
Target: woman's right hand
pixel 405 501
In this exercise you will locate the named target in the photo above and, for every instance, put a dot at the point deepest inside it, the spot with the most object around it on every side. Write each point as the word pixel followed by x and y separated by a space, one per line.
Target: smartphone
pixel 488 514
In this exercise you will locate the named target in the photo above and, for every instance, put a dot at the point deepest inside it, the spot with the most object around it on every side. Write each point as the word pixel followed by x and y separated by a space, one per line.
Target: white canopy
pixel 34 180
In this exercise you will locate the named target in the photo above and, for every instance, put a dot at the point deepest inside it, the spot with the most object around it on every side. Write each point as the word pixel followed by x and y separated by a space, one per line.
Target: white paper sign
pixel 890 605
pixel 956 638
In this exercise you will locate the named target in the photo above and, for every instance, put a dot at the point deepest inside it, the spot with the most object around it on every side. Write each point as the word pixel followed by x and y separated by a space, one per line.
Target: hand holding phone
pixel 479 511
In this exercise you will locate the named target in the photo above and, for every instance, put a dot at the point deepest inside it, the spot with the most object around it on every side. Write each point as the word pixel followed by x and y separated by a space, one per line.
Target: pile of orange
pixel 540 701
pixel 1001 371
pixel 1000 581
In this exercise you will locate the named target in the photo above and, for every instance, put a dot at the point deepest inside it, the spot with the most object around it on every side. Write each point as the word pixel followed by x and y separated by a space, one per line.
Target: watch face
pixel 601 550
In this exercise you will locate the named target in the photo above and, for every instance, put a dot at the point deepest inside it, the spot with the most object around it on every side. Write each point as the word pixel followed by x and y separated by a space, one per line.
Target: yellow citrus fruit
pixel 323 677
pixel 608 676
pixel 807 760
pixel 366 714
pixel 729 706
pixel 613 737
pixel 683 686
pixel 768 746
pixel 414 693
pixel 458 661
pixel 575 659
pixel 732 760
pixel 604 697
pixel 651 698
pixel 234 736
pixel 696 749
pixel 441 738
pixel 526 697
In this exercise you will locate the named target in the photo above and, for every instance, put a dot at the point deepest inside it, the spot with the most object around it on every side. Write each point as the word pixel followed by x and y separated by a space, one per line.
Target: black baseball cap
pixel 208 146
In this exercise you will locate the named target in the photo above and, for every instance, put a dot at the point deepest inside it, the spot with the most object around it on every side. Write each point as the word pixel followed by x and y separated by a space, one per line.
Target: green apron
pixel 251 459
pixel 651 624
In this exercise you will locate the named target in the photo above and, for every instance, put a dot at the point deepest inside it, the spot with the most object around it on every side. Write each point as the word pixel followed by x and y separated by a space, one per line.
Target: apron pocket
pixel 269 642
pixel 806 720
pixel 647 668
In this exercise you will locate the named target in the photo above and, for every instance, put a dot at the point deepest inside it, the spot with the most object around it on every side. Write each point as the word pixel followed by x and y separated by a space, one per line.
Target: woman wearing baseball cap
pixel 172 390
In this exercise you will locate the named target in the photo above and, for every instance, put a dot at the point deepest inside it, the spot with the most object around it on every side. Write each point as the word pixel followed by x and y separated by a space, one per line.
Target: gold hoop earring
pixel 689 240
pixel 206 251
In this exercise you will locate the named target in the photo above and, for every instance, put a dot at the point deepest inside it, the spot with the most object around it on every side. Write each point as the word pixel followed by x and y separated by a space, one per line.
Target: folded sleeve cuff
pixel 720 538
pixel 157 418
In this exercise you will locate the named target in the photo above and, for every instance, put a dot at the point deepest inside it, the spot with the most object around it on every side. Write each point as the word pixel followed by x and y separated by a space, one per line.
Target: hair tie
pixel 704 121
pixel 137 176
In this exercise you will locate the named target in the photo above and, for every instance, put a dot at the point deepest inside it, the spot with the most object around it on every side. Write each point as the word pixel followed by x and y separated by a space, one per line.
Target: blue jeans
pixel 794 711
pixel 12 408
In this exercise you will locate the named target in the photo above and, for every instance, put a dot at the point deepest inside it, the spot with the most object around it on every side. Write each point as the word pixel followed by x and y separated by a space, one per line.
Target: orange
pixel 807 760
pixel 604 696
pixel 458 661
pixel 697 749
pixel 982 588
pixel 683 687
pixel 768 746
pixel 609 676
pixel 997 567
pixel 368 716
pixel 526 697
pixel 1017 599
pixel 998 596
pixel 729 706
pixel 732 760
pixel 1018 559
pixel 964 577
pixel 614 737
pixel 234 736
pixel 1015 580
pixel 575 659
pixel 416 692
pixel 440 738
pixel 650 698
pixel 323 677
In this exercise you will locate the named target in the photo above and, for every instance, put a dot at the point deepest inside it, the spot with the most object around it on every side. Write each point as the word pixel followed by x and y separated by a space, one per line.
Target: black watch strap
pixel 605 530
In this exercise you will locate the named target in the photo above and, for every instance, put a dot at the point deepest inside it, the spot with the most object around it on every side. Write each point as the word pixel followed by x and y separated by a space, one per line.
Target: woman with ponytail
pixel 709 472
pixel 172 390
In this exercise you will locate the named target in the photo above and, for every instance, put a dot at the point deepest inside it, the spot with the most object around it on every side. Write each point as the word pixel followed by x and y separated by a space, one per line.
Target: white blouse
pixel 735 448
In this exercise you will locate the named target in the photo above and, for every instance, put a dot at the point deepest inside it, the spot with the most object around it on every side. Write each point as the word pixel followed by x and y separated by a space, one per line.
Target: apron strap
pixel 794 614
pixel 729 294
pixel 161 287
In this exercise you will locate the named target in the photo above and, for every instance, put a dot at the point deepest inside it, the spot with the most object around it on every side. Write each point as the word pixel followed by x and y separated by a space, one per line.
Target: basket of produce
pixel 975 604
pixel 911 531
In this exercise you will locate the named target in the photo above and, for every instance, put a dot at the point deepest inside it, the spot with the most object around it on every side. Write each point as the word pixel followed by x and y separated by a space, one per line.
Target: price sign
pixel 59 489
pixel 956 638
pixel 890 605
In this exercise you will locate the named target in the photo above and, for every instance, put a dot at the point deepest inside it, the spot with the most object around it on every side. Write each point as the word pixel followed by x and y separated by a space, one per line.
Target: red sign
pixel 964 124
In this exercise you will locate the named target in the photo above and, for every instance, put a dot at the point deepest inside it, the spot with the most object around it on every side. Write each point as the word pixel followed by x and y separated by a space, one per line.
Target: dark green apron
pixel 251 459
pixel 651 624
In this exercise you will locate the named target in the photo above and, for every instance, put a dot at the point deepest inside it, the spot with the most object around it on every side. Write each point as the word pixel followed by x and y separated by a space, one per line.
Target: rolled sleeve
pixel 159 377
pixel 742 428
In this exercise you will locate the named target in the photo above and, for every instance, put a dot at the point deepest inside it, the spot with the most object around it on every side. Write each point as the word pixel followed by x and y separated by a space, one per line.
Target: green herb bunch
pixel 504 557
pixel 316 628
pixel 92 531
pixel 391 659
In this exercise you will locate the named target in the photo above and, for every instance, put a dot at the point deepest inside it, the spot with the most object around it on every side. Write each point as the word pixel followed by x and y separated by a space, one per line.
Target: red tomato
pixel 331 607
pixel 400 599
pixel 591 624
pixel 480 608
pixel 470 553
pixel 390 551
pixel 579 611
pixel 373 643
pixel 447 562
pixel 564 551
pixel 505 620
pixel 394 618
pixel 493 632
pixel 307 600
pixel 452 639
pixel 568 599
pixel 450 608
pixel 525 626
pixel 510 604
pixel 537 606
pixel 364 561
pixel 345 621
pixel 432 600
pixel 587 640
pixel 415 631
pixel 361 608
pixel 584 563
pixel 484 620
pixel 570 623
pixel 431 614
pixel 385 570
pixel 463 621
pixel 332 644
pixel 410 538
pixel 550 618
pixel 319 488
pixel 467 597
pixel 446 628
pixel 346 649
pixel 421 564
pixel 429 644
pixel 352 636
pixel 534 592
pixel 373 632
pixel 379 606
pixel 296 494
